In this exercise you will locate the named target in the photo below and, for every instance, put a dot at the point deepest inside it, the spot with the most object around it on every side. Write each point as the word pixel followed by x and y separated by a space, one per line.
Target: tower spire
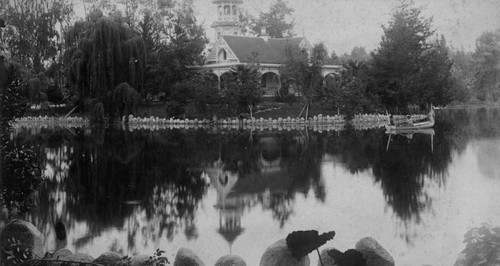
pixel 228 17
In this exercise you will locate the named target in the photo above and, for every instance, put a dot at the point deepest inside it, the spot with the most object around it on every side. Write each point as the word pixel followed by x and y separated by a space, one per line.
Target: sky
pixel 344 24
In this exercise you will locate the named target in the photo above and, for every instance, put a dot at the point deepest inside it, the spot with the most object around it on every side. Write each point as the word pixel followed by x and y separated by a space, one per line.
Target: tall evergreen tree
pixel 398 60
pixel 487 73
pixel 277 21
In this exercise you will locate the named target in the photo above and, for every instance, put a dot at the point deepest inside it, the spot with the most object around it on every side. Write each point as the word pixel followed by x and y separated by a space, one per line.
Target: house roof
pixel 257 49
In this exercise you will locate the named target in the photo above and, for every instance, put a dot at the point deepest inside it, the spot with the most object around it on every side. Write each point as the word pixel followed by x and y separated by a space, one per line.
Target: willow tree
pixel 103 53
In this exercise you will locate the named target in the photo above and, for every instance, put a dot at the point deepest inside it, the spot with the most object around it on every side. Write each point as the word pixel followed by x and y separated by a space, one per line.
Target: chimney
pixel 263 34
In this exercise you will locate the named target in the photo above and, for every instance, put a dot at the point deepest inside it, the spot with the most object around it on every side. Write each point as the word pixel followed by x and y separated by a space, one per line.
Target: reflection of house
pixel 232 48
pixel 230 208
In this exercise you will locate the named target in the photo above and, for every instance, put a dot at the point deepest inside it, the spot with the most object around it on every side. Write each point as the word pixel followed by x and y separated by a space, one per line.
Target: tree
pixel 487 73
pixel 349 93
pixel 278 21
pixel 244 89
pixel 33 35
pixel 125 100
pixel 398 60
pixel 194 96
pixel 358 53
pixel 182 47
pixel 103 53
pixel 305 72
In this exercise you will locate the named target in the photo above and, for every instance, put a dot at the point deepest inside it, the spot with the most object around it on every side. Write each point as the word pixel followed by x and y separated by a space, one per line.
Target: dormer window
pixel 222 56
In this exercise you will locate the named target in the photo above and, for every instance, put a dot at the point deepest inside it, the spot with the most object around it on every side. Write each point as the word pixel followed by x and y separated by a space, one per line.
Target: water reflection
pixel 142 187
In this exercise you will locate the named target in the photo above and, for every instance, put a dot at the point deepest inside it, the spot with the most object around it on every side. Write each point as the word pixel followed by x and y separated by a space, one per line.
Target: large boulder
pixel 230 260
pixel 108 258
pixel 186 257
pixel 25 234
pixel 67 255
pixel 374 253
pixel 140 260
pixel 278 254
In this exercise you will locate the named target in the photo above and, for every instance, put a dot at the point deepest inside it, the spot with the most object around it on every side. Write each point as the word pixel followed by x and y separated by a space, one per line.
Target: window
pixel 222 56
pixel 220 10
pixel 227 9
pixel 234 10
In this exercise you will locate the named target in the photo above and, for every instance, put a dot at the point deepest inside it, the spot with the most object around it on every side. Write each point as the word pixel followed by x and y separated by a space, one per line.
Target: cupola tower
pixel 228 18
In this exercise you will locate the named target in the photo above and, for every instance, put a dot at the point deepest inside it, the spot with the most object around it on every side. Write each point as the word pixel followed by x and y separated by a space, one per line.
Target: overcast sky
pixel 343 24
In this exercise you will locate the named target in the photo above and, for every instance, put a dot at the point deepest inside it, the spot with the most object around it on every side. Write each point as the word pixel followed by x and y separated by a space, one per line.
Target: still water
pixel 134 192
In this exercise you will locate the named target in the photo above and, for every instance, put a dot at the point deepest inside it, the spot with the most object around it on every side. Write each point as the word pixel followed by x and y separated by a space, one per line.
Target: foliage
pixel 304 72
pixel 486 83
pixel 32 34
pixel 244 88
pixel 463 74
pixel 302 243
pixel 407 68
pixel 482 246
pixel 157 259
pixel 184 46
pixel 198 93
pixel 16 252
pixel 349 92
pixel 103 53
pixel 13 102
pixel 125 100
pixel 277 21
pixel 97 115
pixel 351 257
pixel 22 175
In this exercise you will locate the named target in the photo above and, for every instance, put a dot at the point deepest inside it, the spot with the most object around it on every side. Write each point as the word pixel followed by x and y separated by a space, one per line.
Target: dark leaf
pixel 302 243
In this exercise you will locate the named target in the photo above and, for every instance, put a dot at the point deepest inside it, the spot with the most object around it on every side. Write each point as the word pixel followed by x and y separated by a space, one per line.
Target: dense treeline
pixel 149 45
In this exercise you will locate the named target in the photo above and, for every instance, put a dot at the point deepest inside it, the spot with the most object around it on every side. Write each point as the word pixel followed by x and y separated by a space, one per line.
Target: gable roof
pixel 270 51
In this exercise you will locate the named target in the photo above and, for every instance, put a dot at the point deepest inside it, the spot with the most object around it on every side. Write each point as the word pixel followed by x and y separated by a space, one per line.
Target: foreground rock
pixel 374 253
pixel 140 260
pixel 186 257
pixel 108 258
pixel 24 233
pixel 278 254
pixel 67 255
pixel 230 260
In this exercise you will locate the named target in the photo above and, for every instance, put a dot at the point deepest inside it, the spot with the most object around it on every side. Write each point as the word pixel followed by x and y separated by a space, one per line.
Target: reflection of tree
pixel 96 171
pixel 93 180
pixel 402 171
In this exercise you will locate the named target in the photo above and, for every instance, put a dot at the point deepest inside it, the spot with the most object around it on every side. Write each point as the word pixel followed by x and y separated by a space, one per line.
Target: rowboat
pixel 411 126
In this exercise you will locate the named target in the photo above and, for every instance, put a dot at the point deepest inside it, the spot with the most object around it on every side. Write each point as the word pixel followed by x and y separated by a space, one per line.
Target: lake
pixel 135 191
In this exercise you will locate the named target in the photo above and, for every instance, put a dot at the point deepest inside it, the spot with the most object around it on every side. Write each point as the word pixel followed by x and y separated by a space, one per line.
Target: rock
pixel 108 258
pixel 374 253
pixel 61 254
pixel 24 232
pixel 230 260
pixel 79 257
pixel 278 254
pixel 186 257
pixel 140 260
pixel 67 255
pixel 326 259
